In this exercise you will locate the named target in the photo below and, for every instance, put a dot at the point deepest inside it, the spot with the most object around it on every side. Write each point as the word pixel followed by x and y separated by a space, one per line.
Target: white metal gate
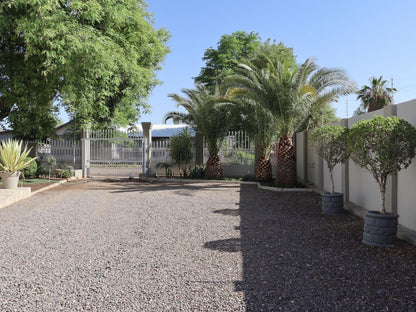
pixel 113 153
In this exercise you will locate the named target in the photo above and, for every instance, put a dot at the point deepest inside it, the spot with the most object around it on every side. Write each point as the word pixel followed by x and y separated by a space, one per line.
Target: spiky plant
pixel 13 156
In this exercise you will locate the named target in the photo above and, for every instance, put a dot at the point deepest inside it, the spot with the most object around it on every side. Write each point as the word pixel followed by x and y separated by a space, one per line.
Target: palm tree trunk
pixel 213 168
pixel 286 162
pixel 263 170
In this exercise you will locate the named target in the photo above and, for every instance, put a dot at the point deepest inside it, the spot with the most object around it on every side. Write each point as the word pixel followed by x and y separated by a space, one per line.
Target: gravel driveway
pixel 111 246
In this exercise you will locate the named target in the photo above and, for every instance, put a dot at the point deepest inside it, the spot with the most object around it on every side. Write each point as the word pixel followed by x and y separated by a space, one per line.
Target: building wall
pixel 357 184
pixel 406 179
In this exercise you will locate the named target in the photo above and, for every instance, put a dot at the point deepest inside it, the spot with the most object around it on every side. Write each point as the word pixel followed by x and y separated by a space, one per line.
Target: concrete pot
pixel 10 179
pixel 332 204
pixel 380 229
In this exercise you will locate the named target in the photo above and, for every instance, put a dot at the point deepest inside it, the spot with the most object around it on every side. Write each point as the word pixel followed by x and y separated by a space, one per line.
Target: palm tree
pixel 290 93
pixel 375 96
pixel 206 117
pixel 257 121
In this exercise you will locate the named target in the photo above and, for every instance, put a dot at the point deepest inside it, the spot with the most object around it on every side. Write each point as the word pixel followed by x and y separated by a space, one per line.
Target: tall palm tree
pixel 257 121
pixel 206 117
pixel 375 96
pixel 290 93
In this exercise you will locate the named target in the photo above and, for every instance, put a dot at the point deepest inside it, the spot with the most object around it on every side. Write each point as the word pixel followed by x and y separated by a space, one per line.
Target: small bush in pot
pixel 13 159
pixel 383 146
pixel 330 142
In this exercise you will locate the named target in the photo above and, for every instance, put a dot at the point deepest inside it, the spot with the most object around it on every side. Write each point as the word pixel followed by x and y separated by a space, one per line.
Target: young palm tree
pixel 207 118
pixel 260 125
pixel 375 96
pixel 290 93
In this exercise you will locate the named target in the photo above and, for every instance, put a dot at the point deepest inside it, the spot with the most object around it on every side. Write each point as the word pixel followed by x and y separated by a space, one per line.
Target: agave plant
pixel 13 157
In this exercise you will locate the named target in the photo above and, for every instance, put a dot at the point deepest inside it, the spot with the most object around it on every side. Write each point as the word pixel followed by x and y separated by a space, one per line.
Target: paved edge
pixel 11 196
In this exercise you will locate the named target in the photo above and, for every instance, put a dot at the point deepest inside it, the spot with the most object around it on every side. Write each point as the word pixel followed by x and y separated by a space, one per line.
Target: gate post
pixel 144 158
pixel 147 135
pixel 85 152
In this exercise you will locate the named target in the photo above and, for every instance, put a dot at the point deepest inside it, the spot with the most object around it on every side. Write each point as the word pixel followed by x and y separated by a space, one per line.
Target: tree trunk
pixel 383 199
pixel 286 162
pixel 263 170
pixel 213 168
pixel 331 176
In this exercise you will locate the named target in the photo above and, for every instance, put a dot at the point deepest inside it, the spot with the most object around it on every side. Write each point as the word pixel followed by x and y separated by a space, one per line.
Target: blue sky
pixel 365 38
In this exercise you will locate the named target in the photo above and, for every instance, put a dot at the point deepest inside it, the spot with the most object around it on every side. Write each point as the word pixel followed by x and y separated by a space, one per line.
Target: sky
pixel 365 38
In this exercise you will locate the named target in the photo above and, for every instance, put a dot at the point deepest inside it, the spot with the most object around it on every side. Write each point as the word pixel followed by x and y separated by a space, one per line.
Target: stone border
pixel 283 189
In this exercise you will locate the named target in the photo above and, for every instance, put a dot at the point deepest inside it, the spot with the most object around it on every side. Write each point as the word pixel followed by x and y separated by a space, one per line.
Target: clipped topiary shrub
pixel 383 146
pixel 330 142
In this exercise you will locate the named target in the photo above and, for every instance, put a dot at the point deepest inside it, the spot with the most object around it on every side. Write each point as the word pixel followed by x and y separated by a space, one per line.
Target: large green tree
pixel 96 58
pixel 230 48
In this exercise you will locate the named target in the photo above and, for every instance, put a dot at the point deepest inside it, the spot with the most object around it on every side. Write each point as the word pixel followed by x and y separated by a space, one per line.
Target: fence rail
pixel 64 151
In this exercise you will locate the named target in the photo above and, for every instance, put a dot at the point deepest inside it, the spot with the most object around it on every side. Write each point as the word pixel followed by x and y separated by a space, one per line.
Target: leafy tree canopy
pixel 383 146
pixel 95 57
pixel 229 49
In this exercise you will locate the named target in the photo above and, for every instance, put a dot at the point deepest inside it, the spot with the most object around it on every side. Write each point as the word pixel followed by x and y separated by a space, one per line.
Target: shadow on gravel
pixel 295 259
pixel 134 185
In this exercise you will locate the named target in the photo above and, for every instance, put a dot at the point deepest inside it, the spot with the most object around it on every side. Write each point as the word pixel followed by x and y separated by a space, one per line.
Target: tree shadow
pixel 296 259
pixel 228 212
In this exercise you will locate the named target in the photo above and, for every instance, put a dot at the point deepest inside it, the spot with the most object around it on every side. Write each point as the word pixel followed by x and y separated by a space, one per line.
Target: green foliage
pixel 249 177
pixel 331 144
pixel 41 170
pixel 181 149
pixel 51 161
pixel 375 96
pixel 230 49
pixel 243 158
pixel 383 146
pixel 96 58
pixel 66 171
pixel 196 172
pixel 205 114
pixel 167 166
pixel 30 171
pixel 13 156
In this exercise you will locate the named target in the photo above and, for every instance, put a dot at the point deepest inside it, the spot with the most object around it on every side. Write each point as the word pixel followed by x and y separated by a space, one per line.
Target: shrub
pixel 383 146
pixel 30 172
pixel 67 171
pixel 196 172
pixel 331 144
pixel 243 158
pixel 41 170
pixel 181 149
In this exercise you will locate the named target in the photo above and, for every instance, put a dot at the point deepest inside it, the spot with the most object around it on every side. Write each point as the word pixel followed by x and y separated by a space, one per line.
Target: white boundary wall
pixel 358 185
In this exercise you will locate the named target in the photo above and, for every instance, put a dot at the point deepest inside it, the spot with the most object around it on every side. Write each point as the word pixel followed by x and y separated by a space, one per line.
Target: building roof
pixel 165 131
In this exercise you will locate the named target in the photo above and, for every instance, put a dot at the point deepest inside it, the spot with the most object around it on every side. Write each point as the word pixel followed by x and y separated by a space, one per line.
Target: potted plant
pixel 383 146
pixel 330 143
pixel 13 159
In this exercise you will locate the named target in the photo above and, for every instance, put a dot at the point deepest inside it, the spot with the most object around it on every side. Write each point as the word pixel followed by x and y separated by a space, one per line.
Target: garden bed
pixel 35 184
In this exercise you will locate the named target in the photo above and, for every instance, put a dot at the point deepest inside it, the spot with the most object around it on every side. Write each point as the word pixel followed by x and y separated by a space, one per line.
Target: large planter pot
pixel 380 229
pixel 10 179
pixel 333 204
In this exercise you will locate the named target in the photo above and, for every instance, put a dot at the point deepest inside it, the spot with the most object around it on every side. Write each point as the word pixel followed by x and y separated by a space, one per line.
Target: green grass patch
pixel 34 181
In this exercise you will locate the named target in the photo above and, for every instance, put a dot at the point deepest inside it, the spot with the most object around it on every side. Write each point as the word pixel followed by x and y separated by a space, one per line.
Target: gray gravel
pixel 111 246
pixel 120 247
